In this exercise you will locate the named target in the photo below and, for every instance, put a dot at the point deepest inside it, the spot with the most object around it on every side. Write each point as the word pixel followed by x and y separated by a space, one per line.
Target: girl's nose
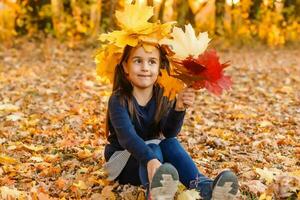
pixel 145 66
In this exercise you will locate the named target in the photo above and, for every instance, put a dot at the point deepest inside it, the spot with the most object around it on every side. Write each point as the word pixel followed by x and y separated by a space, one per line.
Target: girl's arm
pixel 125 131
pixel 171 124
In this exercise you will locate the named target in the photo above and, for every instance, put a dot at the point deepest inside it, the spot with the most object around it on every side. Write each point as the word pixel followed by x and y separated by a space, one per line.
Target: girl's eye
pixel 138 61
pixel 152 62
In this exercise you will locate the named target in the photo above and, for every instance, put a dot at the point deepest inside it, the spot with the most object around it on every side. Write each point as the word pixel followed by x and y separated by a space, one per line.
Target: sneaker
pixel 225 186
pixel 164 183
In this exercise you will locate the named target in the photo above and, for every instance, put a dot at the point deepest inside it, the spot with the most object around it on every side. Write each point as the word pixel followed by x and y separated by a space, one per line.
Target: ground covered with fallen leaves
pixel 52 111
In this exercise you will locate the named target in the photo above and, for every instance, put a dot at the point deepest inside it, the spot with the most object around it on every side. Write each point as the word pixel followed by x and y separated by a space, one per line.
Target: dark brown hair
pixel 122 85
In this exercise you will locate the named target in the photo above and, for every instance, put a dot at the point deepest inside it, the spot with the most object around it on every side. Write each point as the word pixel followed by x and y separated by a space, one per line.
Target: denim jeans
pixel 171 151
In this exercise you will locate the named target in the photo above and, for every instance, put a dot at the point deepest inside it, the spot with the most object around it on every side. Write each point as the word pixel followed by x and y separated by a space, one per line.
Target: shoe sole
pixel 164 183
pixel 226 188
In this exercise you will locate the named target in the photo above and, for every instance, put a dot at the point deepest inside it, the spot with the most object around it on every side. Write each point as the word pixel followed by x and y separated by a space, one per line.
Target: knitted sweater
pixel 128 134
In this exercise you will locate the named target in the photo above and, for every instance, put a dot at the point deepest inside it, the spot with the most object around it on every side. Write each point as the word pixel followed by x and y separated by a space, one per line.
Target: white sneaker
pixel 164 183
pixel 225 186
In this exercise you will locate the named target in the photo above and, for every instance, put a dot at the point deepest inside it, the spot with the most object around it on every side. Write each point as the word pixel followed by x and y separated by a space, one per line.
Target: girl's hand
pixel 185 99
pixel 152 166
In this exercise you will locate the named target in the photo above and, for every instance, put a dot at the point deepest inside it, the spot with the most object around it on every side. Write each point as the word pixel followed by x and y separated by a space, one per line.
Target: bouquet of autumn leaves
pixel 192 64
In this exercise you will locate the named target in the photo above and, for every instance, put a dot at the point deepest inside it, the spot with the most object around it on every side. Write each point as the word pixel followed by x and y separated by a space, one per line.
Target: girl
pixel 142 126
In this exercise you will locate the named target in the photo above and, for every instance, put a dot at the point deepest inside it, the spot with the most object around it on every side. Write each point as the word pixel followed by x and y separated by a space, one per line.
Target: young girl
pixel 142 126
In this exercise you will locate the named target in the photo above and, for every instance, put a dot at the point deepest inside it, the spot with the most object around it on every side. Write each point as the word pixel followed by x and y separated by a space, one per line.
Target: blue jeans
pixel 171 151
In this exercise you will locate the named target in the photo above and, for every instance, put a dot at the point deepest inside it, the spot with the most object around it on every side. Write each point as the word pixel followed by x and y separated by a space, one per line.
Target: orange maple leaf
pixel 61 183
pixel 170 84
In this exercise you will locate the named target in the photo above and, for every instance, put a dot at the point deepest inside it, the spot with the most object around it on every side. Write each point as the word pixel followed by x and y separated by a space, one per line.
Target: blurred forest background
pixel 271 22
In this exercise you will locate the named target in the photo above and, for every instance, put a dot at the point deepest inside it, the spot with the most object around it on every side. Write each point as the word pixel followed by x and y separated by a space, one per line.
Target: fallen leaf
pixel 267 174
pixel 265 196
pixel 33 147
pixel 255 186
pixel 7 160
pixel 189 195
pixel 265 124
pixel 8 107
pixel 37 159
pixel 84 154
pixel 11 193
pixel 107 193
pixel 81 185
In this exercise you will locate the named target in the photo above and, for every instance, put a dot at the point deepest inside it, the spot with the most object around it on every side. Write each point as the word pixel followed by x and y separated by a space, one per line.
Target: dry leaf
pixel 81 185
pixel 7 160
pixel 265 196
pixel 8 107
pixel 107 193
pixel 255 186
pixel 84 154
pixel 11 193
pixel 267 174
pixel 37 159
pixel 33 147
pixel 189 195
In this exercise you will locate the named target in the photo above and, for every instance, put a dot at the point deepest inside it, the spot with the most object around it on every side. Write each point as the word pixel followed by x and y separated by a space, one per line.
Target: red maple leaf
pixel 208 68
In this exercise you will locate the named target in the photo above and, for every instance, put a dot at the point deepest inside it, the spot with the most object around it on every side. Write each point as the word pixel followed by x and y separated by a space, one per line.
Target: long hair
pixel 122 85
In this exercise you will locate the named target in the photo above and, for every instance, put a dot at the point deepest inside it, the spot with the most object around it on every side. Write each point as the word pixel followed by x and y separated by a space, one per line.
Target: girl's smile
pixel 144 76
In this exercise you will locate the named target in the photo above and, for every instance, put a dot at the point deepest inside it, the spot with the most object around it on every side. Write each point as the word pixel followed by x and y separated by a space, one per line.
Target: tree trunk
pixel 113 5
pixel 57 8
pixel 7 22
pixel 185 14
pixel 161 10
pixel 205 16
pixel 227 19
pixel 95 18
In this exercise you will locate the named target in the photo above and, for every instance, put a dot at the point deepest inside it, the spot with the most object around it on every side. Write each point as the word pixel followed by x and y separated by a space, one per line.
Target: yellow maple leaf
pixel 135 18
pixel 267 174
pixel 33 147
pixel 120 38
pixel 148 47
pixel 136 28
pixel 265 124
pixel 159 31
pixel 133 25
pixel 106 62
pixel 81 185
pixel 265 196
pixel 84 154
pixel 7 160
pixel 185 44
pixel 170 84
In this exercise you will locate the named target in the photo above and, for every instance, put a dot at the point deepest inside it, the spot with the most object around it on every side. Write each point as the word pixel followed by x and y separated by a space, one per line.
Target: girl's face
pixel 142 67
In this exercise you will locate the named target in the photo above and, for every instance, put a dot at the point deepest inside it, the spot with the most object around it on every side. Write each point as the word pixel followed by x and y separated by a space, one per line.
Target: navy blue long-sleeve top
pixel 129 134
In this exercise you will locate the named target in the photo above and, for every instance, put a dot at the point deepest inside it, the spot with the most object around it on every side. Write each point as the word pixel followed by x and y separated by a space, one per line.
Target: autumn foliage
pixel 234 22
